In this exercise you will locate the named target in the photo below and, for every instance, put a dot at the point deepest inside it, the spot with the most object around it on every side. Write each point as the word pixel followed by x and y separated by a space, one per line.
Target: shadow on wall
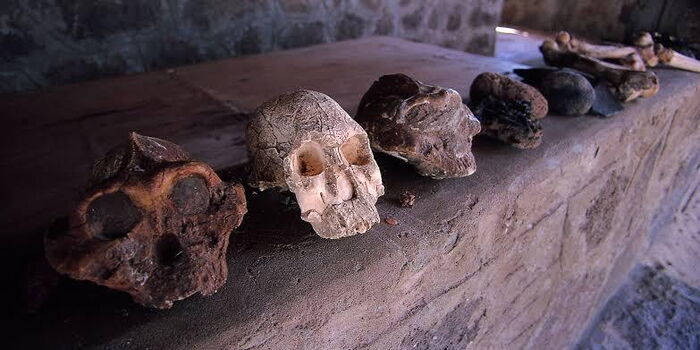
pixel 614 20
pixel 53 42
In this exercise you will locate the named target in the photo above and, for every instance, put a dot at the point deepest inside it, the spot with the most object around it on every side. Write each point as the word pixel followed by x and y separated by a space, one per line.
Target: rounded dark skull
pixel 306 143
pixel 427 126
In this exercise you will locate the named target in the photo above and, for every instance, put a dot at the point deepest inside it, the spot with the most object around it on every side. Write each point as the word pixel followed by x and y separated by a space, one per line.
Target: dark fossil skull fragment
pixel 509 121
pixel 154 224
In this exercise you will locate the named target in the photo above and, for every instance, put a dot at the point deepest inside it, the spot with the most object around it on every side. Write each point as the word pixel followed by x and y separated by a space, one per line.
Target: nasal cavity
pixel 345 189
pixel 168 250
pixel 112 216
pixel 309 159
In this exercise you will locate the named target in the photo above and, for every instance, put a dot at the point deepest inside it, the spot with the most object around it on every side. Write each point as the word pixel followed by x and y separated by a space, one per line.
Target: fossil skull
pixel 154 223
pixel 306 143
pixel 427 126
pixel 508 110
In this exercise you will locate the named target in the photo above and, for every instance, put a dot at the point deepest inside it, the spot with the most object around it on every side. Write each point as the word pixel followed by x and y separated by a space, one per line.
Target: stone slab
pixel 659 304
pixel 520 254
pixel 652 311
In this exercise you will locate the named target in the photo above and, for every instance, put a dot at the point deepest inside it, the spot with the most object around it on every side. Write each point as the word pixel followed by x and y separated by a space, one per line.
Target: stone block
pixel 521 254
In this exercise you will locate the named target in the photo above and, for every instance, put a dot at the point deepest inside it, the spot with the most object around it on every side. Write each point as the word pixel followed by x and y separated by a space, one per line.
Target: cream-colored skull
pixel 306 143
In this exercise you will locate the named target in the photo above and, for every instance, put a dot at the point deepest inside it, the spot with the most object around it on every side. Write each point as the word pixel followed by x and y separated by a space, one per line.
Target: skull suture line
pixel 306 143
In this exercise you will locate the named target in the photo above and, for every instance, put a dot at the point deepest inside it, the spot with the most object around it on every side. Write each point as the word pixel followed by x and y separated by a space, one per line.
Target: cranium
pixel 427 126
pixel 306 143
pixel 154 224
pixel 501 87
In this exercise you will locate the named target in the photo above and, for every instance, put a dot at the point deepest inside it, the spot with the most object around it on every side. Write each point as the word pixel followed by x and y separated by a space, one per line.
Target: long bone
pixel 627 84
pixel 655 53
pixel 626 55
pixel 676 59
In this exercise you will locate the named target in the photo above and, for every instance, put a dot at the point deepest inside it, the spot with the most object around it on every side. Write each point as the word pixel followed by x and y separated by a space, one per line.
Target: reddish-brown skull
pixel 154 224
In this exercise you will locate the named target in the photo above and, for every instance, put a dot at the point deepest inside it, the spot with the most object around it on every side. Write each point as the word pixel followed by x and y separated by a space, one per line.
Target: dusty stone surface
pixel 657 304
pixel 306 143
pixel 427 126
pixel 652 311
pixel 59 41
pixel 154 224
pixel 505 248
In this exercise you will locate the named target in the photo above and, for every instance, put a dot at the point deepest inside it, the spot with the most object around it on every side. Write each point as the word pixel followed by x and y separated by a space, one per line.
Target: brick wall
pixel 52 42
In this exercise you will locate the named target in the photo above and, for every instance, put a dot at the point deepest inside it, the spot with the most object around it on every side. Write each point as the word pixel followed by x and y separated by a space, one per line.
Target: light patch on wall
pixel 507 30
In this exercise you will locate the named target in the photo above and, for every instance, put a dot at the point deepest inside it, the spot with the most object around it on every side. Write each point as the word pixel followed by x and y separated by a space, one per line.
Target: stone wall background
pixel 53 42
pixel 610 19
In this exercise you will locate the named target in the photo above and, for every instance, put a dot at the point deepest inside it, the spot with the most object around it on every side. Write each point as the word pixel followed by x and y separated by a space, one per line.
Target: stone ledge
pixel 522 253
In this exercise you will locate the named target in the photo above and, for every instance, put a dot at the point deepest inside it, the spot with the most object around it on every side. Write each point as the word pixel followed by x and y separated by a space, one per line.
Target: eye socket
pixel 309 159
pixel 112 216
pixel 190 195
pixel 355 150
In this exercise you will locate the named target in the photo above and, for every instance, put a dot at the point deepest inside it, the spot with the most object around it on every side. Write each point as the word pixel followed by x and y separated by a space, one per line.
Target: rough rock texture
pixel 652 311
pixel 154 224
pixel 658 304
pixel 306 143
pixel 567 93
pixel 509 121
pixel 606 104
pixel 521 254
pixel 508 110
pixel 50 42
pixel 427 126
pixel 501 87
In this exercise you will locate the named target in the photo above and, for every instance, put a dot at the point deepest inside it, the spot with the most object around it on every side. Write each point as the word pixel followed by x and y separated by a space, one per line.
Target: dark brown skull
pixel 154 224
pixel 508 110
pixel 427 126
